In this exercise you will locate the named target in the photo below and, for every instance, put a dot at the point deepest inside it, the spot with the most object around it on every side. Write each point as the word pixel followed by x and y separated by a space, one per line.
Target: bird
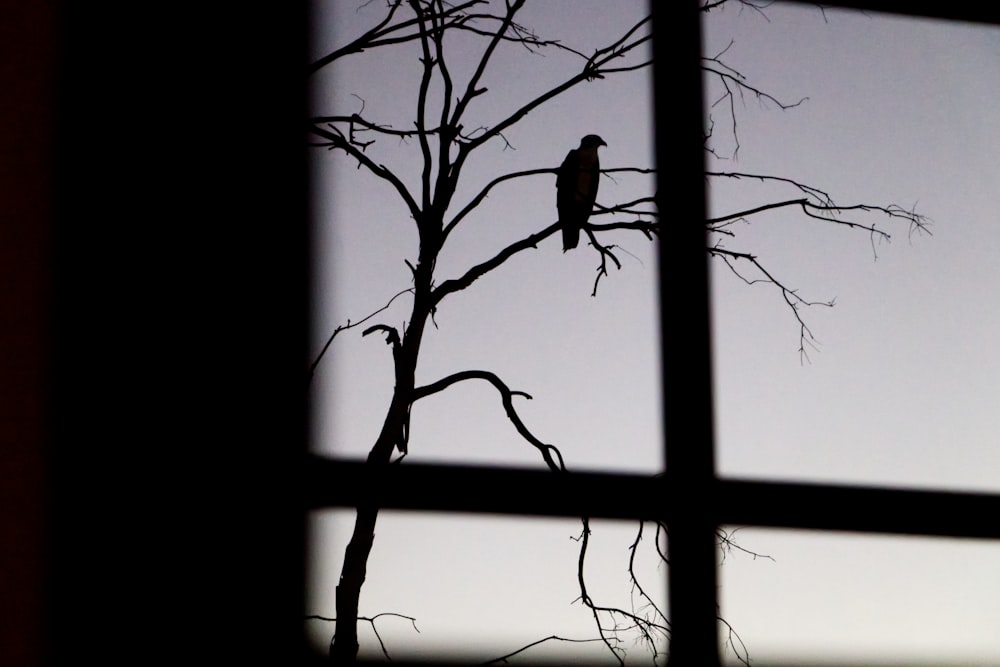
pixel 576 188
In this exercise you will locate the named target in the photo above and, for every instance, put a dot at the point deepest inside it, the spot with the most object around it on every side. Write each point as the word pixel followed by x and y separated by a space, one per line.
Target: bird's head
pixel 592 141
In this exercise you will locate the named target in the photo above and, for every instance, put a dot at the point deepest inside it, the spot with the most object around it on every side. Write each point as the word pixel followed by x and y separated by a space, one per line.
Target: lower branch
pixel 524 648
pixel 371 619
pixel 651 631
pixel 636 586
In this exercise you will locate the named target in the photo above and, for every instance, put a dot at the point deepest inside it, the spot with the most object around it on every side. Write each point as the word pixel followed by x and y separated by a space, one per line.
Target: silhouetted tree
pixel 447 133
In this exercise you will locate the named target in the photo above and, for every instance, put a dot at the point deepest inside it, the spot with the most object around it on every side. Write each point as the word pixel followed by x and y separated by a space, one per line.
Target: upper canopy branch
pixel 429 64
pixel 734 84
pixel 471 90
pixel 591 70
pixel 379 35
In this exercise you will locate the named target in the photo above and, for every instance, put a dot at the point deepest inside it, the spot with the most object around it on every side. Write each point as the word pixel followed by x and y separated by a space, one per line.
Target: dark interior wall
pixel 27 86
pixel 179 271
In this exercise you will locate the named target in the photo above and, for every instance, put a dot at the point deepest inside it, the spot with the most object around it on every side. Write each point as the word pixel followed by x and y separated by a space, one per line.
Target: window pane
pixel 833 598
pixel 901 380
pixel 590 363
pixel 482 587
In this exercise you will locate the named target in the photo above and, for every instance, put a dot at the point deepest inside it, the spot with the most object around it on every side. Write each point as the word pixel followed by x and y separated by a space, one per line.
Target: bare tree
pixel 447 133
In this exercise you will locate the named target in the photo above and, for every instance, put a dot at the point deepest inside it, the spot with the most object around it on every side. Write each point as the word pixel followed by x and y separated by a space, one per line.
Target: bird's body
pixel 576 188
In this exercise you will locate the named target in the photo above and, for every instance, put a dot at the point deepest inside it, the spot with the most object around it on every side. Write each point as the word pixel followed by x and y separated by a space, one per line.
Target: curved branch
pixel 481 195
pixel 391 336
pixel 507 395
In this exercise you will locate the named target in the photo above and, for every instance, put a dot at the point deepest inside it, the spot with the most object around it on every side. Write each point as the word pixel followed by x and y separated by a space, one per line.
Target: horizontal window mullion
pixel 475 489
pixel 331 483
pixel 859 509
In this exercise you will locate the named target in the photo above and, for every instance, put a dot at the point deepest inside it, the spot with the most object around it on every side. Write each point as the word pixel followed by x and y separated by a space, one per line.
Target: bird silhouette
pixel 576 188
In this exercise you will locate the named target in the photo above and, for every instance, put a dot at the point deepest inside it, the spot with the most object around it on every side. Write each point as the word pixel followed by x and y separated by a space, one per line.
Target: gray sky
pixel 902 390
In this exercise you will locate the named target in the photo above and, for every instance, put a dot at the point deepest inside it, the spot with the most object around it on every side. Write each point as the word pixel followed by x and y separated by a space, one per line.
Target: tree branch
pixel 369 126
pixel 727 544
pixel 791 297
pixel 584 540
pixel 649 630
pixel 524 648
pixel 471 91
pixel 371 619
pixel 591 70
pixel 808 190
pixel 507 396
pixel 338 141
pixel 446 138
pixel 733 82
pixel 425 82
pixel 481 195
pixel 478 271
pixel 377 36
pixel 349 325
pixel 633 548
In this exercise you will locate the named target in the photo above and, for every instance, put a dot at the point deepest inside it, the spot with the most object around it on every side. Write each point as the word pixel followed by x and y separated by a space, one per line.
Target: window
pixel 691 482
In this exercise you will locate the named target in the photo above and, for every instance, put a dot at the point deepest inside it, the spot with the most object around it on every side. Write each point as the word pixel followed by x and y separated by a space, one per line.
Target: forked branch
pixel 350 325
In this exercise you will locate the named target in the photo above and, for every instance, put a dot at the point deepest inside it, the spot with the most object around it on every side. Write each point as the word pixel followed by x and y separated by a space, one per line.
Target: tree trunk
pixel 344 649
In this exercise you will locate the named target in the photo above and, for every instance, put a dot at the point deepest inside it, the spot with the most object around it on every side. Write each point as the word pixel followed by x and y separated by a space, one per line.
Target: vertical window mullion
pixel 687 404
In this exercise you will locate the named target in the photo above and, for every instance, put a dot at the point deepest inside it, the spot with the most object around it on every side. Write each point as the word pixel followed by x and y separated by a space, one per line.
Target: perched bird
pixel 576 188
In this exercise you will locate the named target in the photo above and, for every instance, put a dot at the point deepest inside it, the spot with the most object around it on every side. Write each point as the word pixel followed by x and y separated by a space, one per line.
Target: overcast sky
pixel 901 389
